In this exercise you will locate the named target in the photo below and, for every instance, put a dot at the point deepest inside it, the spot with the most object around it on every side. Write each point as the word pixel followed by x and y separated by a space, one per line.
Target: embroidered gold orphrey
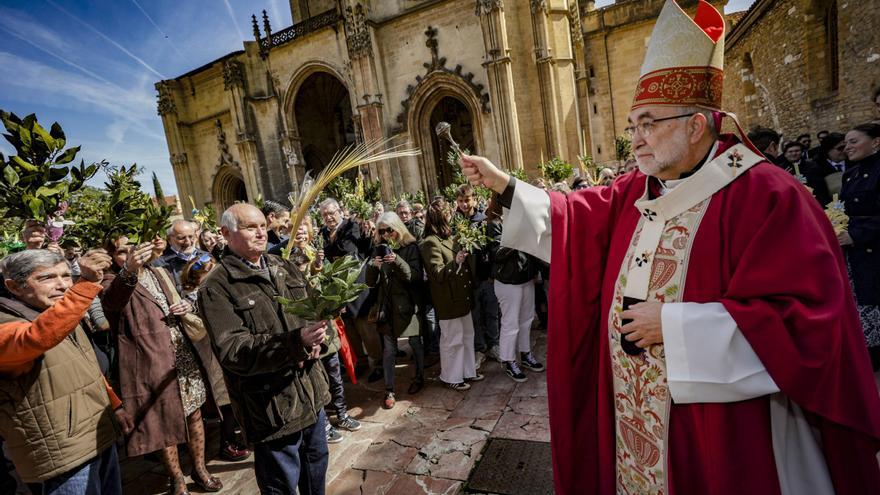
pixel 641 394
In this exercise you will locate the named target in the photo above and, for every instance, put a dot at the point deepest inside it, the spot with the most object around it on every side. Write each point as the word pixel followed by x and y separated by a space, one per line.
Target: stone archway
pixel 322 114
pixel 228 188
pixel 452 110
pixel 443 96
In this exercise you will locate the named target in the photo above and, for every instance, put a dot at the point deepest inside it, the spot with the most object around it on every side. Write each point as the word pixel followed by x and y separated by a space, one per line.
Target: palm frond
pixel 346 159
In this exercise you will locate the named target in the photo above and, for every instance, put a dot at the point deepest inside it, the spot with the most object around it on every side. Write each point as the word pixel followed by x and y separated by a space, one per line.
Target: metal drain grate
pixel 513 467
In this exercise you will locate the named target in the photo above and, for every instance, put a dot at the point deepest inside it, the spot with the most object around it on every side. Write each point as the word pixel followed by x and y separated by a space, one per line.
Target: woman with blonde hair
pixel 395 269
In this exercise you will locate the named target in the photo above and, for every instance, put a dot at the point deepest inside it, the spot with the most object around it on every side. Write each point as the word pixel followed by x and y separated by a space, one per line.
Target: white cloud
pixel 34 81
pixel 109 40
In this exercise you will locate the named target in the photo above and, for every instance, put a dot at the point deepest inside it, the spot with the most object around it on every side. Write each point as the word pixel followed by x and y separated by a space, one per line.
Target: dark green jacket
pixel 451 287
pixel 259 347
pixel 398 288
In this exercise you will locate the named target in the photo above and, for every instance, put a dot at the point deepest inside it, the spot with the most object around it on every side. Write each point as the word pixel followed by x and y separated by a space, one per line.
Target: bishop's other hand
pixel 646 328
pixel 481 172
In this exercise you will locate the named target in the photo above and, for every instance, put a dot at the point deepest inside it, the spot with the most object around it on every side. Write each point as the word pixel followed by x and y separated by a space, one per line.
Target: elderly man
pixel 350 237
pixel 182 239
pixel 56 409
pixel 277 387
pixel 703 337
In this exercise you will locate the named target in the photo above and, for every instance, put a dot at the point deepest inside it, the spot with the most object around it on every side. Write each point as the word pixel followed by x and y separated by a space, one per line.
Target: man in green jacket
pixel 277 388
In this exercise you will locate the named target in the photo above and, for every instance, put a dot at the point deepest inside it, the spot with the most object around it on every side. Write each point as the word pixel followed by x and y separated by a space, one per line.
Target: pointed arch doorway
pixel 228 188
pixel 454 111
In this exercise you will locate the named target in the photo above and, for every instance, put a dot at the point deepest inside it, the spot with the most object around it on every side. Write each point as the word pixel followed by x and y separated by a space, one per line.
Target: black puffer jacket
pixel 509 266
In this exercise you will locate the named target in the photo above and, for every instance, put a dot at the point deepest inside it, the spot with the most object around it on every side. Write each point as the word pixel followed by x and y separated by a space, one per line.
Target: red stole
pixel 767 252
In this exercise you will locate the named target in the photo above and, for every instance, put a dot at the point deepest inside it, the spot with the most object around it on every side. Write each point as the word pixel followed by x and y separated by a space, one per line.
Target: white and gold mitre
pixel 685 60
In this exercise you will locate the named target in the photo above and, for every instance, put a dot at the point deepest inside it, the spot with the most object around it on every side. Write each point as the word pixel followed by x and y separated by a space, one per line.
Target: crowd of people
pixel 152 338
pixel 187 327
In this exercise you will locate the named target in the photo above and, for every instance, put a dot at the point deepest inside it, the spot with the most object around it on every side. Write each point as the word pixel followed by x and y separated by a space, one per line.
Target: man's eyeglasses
pixel 201 262
pixel 645 128
pixel 385 231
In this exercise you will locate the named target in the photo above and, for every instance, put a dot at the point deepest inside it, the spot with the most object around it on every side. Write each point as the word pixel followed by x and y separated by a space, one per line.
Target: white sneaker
pixel 494 353
pixel 479 357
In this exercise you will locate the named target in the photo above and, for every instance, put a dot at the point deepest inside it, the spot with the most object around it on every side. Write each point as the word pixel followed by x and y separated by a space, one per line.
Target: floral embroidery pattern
pixel 641 393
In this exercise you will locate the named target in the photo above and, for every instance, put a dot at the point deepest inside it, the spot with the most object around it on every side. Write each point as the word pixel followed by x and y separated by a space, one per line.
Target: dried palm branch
pixel 348 158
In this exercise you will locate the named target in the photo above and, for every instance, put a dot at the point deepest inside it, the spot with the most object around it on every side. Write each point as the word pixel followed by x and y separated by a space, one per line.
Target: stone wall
pixel 778 69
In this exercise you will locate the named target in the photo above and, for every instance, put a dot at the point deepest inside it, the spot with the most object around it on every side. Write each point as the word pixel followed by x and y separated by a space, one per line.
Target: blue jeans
pixel 100 476
pixel 389 359
pixel 297 460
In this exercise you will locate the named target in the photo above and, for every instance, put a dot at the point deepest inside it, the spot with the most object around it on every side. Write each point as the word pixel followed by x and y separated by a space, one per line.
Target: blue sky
pixel 91 64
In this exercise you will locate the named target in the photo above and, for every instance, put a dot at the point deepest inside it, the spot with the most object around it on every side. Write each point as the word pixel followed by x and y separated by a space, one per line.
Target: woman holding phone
pixel 395 269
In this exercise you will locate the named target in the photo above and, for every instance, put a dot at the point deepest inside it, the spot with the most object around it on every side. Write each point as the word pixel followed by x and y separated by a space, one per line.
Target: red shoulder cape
pixel 768 253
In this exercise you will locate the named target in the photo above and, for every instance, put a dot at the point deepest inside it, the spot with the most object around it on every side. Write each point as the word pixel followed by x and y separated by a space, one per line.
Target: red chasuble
pixel 766 251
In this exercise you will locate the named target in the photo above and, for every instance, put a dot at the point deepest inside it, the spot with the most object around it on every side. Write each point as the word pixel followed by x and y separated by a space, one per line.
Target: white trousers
pixel 517 303
pixel 457 349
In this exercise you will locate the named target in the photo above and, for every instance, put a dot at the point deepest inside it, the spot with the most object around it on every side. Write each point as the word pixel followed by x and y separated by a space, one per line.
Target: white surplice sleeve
pixel 708 359
pixel 526 225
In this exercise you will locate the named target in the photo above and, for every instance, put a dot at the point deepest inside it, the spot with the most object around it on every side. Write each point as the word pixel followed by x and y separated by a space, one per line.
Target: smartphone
pixel 629 347
pixel 381 251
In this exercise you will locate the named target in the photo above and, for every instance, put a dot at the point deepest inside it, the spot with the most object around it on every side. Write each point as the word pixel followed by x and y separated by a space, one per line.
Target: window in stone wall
pixel 832 47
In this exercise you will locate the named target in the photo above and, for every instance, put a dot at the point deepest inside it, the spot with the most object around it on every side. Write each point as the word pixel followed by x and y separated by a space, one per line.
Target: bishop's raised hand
pixel 481 172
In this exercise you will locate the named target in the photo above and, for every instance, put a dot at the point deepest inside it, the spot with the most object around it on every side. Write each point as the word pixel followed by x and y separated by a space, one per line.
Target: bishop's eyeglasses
pixel 647 127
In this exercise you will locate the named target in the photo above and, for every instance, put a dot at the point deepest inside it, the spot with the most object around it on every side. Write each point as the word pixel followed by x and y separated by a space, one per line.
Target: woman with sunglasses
pixel 159 372
pixel 396 270
pixel 451 278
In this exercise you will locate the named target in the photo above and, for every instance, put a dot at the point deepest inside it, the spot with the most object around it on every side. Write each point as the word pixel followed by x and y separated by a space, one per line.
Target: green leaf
pixel 68 155
pixel 25 165
pixel 25 136
pixel 58 134
pixel 11 176
pixel 52 190
pixel 42 135
pixel 58 173
pixel 36 208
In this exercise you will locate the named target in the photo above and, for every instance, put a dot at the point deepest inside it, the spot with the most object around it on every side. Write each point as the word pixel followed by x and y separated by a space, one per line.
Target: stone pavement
pixel 428 443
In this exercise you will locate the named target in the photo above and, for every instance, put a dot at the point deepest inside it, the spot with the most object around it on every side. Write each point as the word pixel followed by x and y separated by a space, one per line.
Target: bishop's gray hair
pixel 19 266
pixel 710 118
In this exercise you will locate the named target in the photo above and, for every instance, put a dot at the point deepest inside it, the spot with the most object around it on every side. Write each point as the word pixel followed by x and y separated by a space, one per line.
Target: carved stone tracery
pixel 438 64
pixel 574 22
pixel 486 7
pixel 165 103
pixel 357 33
pixel 537 5
pixel 233 75
pixel 225 156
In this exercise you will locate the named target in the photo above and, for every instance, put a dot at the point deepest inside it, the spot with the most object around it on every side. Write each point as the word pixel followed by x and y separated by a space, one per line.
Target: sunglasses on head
pixel 201 262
